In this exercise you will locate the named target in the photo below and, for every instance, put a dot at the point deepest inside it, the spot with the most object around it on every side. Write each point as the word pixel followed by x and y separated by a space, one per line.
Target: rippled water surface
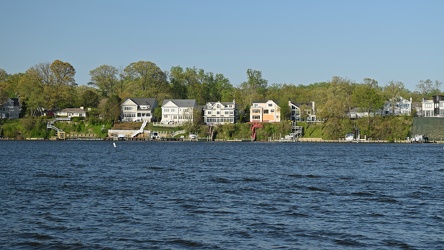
pixel 171 195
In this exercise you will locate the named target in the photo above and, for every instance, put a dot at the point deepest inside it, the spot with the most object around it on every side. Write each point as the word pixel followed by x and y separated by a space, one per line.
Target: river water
pixel 189 195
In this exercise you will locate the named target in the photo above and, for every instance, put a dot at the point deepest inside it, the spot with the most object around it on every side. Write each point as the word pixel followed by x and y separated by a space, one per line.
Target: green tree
pixel 368 96
pixel 110 109
pixel 392 92
pixel 105 79
pixel 31 91
pixel 89 98
pixel 146 79
pixel 428 88
pixel 62 73
pixel 254 88
pixel 178 83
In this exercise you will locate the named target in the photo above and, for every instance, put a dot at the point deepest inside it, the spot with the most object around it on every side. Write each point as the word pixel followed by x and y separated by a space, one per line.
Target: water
pixel 173 195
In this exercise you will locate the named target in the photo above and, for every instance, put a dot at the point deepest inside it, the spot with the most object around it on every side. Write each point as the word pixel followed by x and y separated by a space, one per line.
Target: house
pixel 356 113
pixel 220 112
pixel 71 112
pixel 10 109
pixel 138 109
pixel 434 107
pixel 267 111
pixel 400 106
pixel 300 111
pixel 178 111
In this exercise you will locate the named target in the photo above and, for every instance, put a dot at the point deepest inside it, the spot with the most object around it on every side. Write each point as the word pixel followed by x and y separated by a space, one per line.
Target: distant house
pixel 71 112
pixel 220 112
pixel 299 111
pixel 178 111
pixel 265 111
pixel 10 109
pixel 356 113
pixel 401 106
pixel 434 107
pixel 138 109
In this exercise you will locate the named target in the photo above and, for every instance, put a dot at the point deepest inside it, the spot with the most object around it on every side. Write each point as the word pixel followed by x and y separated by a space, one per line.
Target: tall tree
pixel 254 88
pixel 368 96
pixel 3 86
pixel 31 91
pixel 392 92
pixel 110 108
pixel 146 79
pixel 105 78
pixel 428 87
pixel 178 83
pixel 62 73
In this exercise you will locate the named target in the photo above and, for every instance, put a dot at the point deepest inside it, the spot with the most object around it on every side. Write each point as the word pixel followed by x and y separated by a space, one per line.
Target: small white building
pixel 71 112
pixel 138 109
pixel 220 112
pixel 265 111
pixel 178 111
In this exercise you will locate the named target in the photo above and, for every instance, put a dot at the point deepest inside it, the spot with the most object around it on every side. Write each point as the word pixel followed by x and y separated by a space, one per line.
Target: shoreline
pixel 300 140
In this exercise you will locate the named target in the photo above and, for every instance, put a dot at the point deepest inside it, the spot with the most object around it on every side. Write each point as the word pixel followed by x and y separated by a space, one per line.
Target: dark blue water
pixel 173 195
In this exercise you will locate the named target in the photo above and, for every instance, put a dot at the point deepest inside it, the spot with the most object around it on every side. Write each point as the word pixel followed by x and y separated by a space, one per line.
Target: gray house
pixel 10 109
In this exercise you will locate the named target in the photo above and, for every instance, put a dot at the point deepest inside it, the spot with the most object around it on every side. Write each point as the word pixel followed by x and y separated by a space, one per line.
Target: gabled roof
pixel 144 101
pixel 181 102
pixel 225 104
pixel 78 110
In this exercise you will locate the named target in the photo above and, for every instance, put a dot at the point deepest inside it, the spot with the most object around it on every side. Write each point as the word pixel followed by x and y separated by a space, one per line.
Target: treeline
pixel 47 86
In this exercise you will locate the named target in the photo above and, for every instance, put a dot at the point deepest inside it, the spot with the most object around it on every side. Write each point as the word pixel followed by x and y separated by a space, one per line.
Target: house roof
pixel 144 101
pixel 78 110
pixel 181 102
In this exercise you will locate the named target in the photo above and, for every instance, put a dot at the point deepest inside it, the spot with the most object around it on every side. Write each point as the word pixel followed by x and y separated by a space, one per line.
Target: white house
pixel 220 112
pixel 434 107
pixel 298 110
pixel 10 109
pixel 267 111
pixel 138 109
pixel 178 111
pixel 401 106
pixel 71 112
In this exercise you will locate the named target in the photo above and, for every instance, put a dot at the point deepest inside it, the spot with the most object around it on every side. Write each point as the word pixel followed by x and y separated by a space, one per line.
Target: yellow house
pixel 268 111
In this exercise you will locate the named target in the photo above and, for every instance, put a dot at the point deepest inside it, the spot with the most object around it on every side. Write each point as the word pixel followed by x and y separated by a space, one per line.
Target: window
pixel 209 112
pixel 265 111
pixel 270 105
pixel 256 111
pixel 256 117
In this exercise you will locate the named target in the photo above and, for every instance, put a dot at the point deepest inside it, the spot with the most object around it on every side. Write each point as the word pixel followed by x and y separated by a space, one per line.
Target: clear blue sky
pixel 289 41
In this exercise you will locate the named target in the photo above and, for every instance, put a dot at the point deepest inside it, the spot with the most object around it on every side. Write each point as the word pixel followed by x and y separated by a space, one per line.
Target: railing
pixel 141 128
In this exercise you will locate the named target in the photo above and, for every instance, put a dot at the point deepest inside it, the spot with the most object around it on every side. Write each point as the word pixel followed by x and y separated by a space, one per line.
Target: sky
pixel 289 41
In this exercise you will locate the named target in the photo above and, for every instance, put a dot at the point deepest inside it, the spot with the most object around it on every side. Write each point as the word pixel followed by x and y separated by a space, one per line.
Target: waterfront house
pixel 10 109
pixel 434 107
pixel 138 109
pixel 178 111
pixel 220 112
pixel 71 112
pixel 400 106
pixel 265 111
pixel 299 112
